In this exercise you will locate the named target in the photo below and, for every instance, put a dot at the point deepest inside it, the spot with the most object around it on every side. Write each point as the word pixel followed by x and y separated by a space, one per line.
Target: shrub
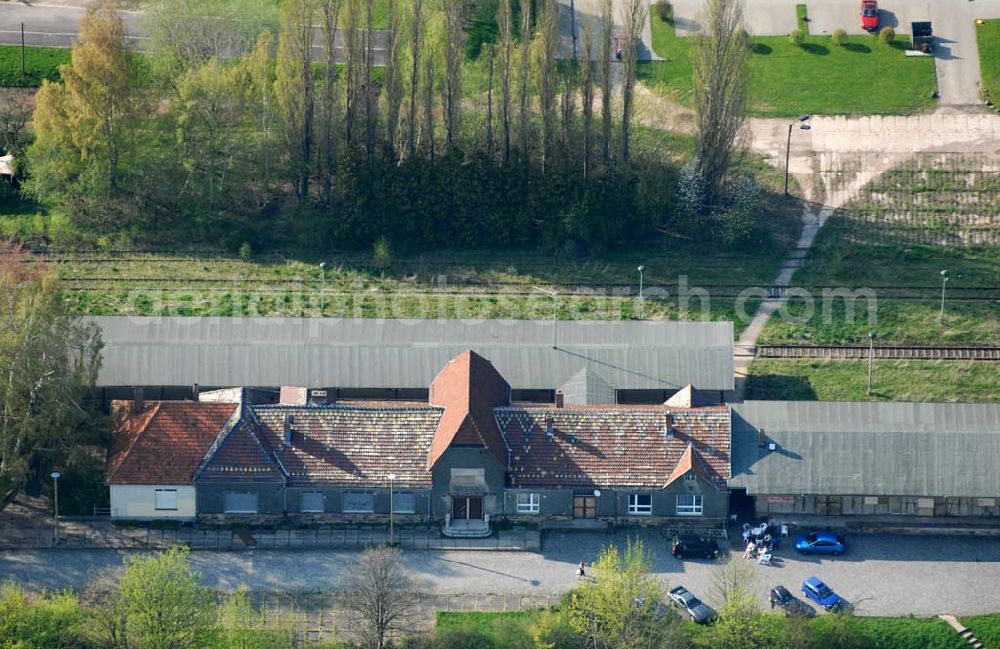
pixel 46 621
pixel 839 37
pixel 382 254
pixel 796 37
pixel 737 221
pixel 246 251
pixel 887 35
pixel 665 10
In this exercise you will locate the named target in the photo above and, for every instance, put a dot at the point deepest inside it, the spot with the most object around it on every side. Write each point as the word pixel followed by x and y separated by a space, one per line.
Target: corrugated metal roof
pixel 409 353
pixel 861 448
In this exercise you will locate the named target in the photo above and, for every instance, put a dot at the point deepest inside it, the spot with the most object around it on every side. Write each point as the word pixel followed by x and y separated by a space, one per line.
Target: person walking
pixel 580 572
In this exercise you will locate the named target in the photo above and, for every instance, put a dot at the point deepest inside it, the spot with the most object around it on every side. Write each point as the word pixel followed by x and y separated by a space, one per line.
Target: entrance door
pixel 584 507
pixel 466 508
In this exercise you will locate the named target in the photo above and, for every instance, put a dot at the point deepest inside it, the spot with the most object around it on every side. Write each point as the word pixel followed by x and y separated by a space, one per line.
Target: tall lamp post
pixel 788 145
pixel 641 270
pixel 555 309
pixel 55 475
pixel 392 477
pixel 871 359
pixel 322 288
pixel 944 283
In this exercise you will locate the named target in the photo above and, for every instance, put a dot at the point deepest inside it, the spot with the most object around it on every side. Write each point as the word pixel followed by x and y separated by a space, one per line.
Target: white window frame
pixel 162 507
pixel 396 509
pixel 529 502
pixel 370 510
pixel 636 508
pixel 322 497
pixel 694 509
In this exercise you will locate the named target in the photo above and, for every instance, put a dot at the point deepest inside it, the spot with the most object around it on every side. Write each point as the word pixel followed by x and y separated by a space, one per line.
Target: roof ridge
pixel 231 422
pixel 132 444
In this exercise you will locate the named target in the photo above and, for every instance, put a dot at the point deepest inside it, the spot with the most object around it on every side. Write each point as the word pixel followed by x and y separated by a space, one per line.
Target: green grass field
pixel 988 38
pixel 40 63
pixel 817 78
pixel 809 380
pixel 986 628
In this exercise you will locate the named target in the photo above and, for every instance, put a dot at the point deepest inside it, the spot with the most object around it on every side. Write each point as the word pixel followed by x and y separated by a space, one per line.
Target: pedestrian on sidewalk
pixel 580 572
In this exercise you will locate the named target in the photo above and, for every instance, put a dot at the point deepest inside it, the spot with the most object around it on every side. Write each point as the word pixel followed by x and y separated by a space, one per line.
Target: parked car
pixel 694 546
pixel 869 15
pixel 824 542
pixel 820 593
pixel 699 611
pixel 790 604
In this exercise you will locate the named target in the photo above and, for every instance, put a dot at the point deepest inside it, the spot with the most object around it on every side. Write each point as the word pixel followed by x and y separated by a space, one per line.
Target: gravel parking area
pixel 880 574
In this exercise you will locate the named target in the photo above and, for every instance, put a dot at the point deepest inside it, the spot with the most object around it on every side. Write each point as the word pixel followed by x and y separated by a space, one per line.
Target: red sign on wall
pixel 781 500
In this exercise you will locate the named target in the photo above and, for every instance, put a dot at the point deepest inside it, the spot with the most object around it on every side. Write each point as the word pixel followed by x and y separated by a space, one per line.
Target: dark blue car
pixel 820 543
pixel 820 593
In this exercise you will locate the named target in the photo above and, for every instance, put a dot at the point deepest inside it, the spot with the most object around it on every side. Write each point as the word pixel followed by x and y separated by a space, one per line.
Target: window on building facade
pixel 691 477
pixel 640 504
pixel 240 503
pixel 688 505
pixel 528 503
pixel 165 499
pixel 404 502
pixel 359 502
pixel 312 502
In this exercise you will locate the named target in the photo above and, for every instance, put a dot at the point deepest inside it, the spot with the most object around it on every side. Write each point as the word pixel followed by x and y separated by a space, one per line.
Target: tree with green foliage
pixel 740 625
pixel 46 621
pixel 166 605
pixel 241 625
pixel 623 607
pixel 552 630
pixel 505 22
pixel 84 126
pixel 454 52
pixel 546 43
pixel 635 13
pixel 295 89
pixel 49 358
pixel 606 35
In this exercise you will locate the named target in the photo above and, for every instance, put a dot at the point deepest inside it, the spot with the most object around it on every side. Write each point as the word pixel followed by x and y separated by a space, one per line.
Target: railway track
pixel 895 352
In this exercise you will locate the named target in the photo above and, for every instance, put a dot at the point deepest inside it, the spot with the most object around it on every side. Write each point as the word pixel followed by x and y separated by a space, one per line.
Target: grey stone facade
pixel 467 458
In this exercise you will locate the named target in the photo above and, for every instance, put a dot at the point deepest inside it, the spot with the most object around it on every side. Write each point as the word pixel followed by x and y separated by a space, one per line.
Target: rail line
pixel 895 352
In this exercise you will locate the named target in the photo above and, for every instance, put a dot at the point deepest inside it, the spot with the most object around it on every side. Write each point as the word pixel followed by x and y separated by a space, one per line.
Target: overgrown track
pixel 903 352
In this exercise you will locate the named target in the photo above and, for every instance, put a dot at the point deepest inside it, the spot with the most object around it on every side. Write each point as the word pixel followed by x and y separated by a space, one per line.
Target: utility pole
pixel 392 477
pixel 944 283
pixel 55 475
pixel 871 359
pixel 322 288
pixel 788 145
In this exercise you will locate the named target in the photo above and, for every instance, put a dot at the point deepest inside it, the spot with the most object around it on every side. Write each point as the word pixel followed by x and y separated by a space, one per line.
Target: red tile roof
pixel 613 446
pixel 241 454
pixel 690 461
pixel 164 444
pixel 468 388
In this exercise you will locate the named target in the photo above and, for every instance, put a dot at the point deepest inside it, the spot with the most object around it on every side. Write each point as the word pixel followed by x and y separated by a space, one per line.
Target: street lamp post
pixel 788 145
pixel 555 310
pixel 392 477
pixel 641 270
pixel 871 359
pixel 322 288
pixel 55 475
pixel 944 283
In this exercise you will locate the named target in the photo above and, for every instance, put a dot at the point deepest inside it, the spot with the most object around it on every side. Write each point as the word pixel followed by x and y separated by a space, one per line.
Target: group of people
pixel 760 543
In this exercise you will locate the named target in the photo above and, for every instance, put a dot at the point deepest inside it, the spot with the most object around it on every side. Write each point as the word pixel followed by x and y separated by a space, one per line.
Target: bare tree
pixel 353 60
pixel 721 79
pixel 370 89
pixel 634 17
pixel 416 39
pixel 393 74
pixel 546 41
pixel 380 594
pixel 587 92
pixel 294 86
pixel 489 108
pixel 328 109
pixel 453 55
pixel 523 97
pixel 607 33
pixel 568 105
pixel 505 22
pixel 429 102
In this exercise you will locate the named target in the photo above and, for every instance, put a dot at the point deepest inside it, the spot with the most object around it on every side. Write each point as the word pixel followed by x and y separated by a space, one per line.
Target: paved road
pixel 57 26
pixel 881 575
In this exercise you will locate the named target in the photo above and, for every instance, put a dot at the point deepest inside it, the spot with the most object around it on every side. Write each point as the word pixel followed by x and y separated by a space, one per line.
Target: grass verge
pixel 823 380
pixel 40 63
pixel 988 39
pixel 816 78
pixel 986 629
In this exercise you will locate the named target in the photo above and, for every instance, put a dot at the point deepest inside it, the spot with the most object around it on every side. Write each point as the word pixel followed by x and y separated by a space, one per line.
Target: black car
pixel 695 546
pixel 790 604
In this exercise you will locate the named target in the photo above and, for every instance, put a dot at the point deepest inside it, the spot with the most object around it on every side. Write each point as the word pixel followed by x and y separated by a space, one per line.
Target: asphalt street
pixel 880 574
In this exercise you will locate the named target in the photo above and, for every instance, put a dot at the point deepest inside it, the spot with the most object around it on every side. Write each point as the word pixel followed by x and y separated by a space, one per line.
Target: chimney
pixel 287 437
pixel 550 426
pixel 668 425
pixel 138 402
pixel 292 396
pixel 560 400
pixel 195 391
pixel 761 438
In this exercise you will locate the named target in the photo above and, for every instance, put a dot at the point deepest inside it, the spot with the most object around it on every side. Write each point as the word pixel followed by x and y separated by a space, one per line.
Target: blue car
pixel 820 543
pixel 820 593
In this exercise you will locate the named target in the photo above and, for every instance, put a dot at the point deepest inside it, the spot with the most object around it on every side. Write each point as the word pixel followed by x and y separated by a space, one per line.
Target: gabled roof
pixel 613 446
pixel 468 388
pixel 690 462
pixel 240 453
pixel 350 445
pixel 689 397
pixel 587 387
pixel 165 443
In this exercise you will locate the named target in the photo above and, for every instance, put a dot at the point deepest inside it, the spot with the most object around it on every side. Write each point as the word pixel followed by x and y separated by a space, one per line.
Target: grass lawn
pixel 505 630
pixel 986 628
pixel 808 380
pixel 40 63
pixel 988 38
pixel 817 78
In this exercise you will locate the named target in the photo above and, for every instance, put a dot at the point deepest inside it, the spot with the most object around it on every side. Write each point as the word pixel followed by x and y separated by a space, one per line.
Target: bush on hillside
pixel 796 37
pixel 887 35
pixel 839 37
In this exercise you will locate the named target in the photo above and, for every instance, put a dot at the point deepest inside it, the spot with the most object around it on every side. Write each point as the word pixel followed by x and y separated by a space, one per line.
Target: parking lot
pixel 879 575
